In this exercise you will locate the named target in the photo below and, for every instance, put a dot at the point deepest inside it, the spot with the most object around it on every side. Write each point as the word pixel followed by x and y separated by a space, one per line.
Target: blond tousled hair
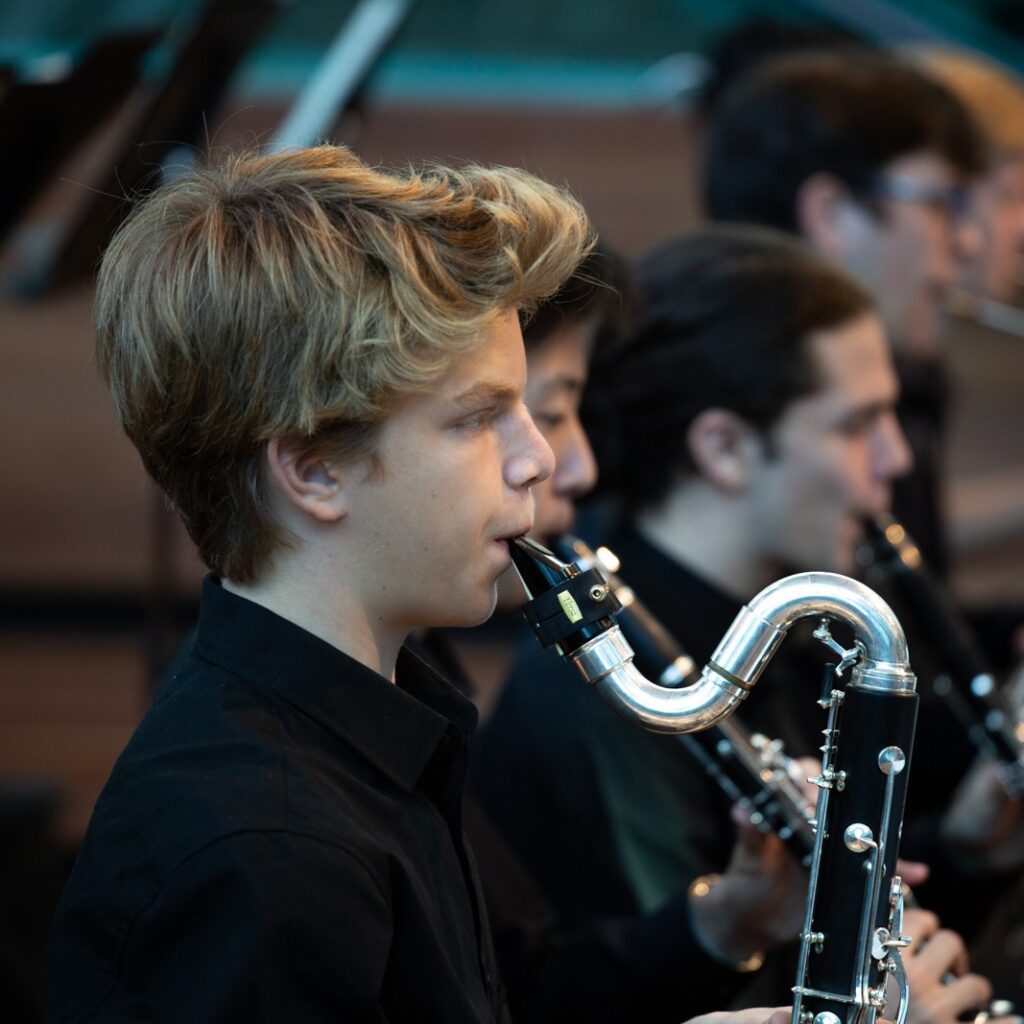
pixel 300 295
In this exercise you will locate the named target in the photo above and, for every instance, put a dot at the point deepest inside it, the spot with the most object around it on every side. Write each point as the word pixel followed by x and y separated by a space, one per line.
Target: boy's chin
pixel 477 612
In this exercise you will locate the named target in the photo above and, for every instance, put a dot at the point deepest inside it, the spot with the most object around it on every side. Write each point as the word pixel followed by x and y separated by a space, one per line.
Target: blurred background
pixel 101 100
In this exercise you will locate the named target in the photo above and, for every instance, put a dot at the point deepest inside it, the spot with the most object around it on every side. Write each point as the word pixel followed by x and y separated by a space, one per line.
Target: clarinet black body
pixel 855 906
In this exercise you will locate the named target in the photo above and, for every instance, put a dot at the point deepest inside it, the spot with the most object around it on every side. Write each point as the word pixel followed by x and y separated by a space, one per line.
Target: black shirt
pixel 648 968
pixel 280 841
pixel 783 704
pixel 609 818
pixel 923 409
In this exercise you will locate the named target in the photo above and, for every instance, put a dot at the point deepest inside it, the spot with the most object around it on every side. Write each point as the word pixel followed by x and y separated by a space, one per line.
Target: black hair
pixel 599 290
pixel 725 314
pixel 843 113
pixel 757 40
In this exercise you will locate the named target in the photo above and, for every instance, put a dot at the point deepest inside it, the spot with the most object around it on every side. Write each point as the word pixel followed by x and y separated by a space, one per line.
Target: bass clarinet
pixel 851 938
pixel 751 770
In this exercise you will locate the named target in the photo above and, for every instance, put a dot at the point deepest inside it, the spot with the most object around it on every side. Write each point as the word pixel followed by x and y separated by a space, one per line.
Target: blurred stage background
pixel 99 98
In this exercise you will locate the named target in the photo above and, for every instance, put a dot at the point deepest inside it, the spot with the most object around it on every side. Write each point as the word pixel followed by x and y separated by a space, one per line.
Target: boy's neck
pixel 332 613
pixel 708 535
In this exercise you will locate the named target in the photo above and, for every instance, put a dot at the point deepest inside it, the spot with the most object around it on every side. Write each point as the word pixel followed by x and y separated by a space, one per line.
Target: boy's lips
pixel 504 542
pixel 519 531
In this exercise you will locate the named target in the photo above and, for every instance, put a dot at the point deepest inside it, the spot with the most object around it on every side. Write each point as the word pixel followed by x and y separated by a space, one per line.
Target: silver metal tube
pixel 748 645
pixel 607 663
pixel 885 664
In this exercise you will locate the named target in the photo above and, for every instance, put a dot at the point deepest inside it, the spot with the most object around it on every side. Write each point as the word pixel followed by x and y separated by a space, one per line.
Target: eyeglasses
pixel 952 200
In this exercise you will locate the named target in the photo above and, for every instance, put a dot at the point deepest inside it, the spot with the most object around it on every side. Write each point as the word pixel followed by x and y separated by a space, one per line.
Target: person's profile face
pixel 458 462
pixel 906 246
pixel 997 205
pixel 830 460
pixel 555 376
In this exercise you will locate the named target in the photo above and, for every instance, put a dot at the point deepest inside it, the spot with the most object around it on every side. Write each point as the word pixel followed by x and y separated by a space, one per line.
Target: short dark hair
pixel 759 39
pixel 598 290
pixel 843 113
pixel 724 319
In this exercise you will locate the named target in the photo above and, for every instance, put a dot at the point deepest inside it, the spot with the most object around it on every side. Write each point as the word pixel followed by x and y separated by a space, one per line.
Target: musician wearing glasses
pixel 994 97
pixel 869 160
pixel 989 506
pixel 911 185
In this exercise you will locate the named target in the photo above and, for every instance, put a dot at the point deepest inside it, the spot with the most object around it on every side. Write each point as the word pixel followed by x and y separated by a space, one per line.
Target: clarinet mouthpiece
pixel 539 569
pixel 566 607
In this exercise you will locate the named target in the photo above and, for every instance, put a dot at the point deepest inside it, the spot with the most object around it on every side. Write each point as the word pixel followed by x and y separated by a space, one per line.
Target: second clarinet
pixel 970 688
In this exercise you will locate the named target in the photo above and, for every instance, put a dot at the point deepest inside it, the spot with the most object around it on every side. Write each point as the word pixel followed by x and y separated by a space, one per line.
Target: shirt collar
pixel 398 727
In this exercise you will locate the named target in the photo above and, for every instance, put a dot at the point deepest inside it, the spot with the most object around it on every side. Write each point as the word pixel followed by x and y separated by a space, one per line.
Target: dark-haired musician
pixel 747 427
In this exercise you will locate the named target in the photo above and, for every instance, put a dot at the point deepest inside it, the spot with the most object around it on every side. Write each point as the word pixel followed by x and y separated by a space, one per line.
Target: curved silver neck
pixel 745 650
pixel 762 624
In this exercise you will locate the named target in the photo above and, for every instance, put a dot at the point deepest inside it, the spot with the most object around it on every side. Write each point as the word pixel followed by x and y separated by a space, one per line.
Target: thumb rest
pixel 851 938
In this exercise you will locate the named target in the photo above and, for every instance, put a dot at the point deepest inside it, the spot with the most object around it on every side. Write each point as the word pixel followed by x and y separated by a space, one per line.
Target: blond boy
pixel 321 364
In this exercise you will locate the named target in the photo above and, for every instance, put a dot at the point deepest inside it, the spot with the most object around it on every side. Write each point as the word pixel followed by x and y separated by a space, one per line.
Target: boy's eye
pixel 856 426
pixel 549 420
pixel 476 419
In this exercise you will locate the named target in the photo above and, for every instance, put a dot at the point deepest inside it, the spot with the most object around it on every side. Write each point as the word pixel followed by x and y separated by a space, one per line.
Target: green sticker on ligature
pixel 570 607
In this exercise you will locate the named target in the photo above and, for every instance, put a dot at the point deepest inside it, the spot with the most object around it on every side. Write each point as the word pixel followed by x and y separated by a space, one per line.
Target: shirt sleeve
pixel 261 926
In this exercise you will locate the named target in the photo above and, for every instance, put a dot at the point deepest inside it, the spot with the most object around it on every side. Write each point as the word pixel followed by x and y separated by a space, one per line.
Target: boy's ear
pixel 307 481
pixel 723 447
pixel 823 209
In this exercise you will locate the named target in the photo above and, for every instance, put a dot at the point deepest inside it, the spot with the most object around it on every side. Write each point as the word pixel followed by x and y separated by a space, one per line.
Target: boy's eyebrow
pixel 868 410
pixel 563 382
pixel 490 391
